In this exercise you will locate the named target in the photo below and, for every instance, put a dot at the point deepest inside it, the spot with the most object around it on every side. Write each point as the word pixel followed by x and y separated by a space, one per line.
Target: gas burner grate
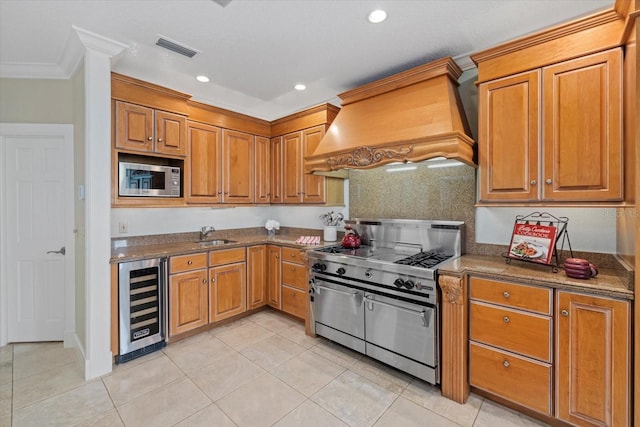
pixel 425 259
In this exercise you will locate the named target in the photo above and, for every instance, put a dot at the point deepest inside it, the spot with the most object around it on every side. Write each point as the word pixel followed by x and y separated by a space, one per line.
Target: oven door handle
pixel 338 291
pixel 426 318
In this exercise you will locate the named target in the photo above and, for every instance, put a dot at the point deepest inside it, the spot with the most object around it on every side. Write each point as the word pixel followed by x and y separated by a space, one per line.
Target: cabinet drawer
pixel 512 377
pixel 291 255
pixel 295 275
pixel 227 256
pixel 513 295
pixel 187 262
pixel 513 330
pixel 294 301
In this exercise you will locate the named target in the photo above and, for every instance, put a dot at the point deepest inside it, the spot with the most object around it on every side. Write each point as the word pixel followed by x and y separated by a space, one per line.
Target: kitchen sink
pixel 216 242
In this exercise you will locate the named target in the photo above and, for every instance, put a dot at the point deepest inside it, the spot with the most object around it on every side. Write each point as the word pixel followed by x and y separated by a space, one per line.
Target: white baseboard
pixel 97 367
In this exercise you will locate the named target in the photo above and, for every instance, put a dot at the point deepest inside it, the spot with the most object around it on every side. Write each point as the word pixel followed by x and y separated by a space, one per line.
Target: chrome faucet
pixel 204 232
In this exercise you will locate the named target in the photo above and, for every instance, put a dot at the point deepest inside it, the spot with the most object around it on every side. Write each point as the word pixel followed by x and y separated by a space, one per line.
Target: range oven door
pixel 338 312
pixel 404 328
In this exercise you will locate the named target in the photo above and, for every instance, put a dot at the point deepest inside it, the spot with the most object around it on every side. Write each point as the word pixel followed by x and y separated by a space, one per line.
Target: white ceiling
pixel 254 51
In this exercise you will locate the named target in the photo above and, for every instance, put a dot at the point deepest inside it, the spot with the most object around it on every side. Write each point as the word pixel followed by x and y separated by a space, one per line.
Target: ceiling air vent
pixel 175 47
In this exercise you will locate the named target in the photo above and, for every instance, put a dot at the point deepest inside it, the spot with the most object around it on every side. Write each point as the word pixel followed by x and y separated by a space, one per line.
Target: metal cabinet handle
pixel 293 269
pixel 506 319
pixel 213 280
pixel 548 181
pixel 351 294
pixel 61 251
pixel 505 363
pixel 189 262
pixel 534 182
pixel 204 281
pixel 565 313
pixel 159 139
pixel 277 256
pixel 149 138
pixel 506 294
pixel 422 314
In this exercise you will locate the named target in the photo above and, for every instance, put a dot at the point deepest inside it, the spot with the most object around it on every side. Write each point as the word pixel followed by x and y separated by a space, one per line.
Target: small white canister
pixel 330 233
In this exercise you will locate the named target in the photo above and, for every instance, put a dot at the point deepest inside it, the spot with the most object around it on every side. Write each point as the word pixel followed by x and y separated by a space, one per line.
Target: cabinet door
pixel 188 301
pixel 228 291
pixel 592 360
pixel 508 142
pixel 582 134
pixel 263 170
pixel 134 127
pixel 274 277
pixel 171 134
pixel 313 186
pixel 292 168
pixel 276 170
pixel 238 167
pixel 294 301
pixel 203 174
pixel 256 276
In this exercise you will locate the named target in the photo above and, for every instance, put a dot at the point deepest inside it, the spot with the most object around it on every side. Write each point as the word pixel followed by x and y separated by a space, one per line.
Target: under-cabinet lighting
pixel 377 16
pixel 401 168
pixel 444 164
pixel 203 79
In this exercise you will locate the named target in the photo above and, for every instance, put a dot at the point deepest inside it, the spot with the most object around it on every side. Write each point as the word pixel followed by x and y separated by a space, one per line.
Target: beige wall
pixel 36 101
pixel 79 212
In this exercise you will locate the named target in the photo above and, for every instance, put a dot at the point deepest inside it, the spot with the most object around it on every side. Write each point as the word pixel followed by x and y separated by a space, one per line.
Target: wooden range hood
pixel 411 116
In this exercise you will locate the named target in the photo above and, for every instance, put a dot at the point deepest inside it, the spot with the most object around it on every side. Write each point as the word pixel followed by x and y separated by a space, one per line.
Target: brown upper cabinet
pixel 276 170
pixel 263 170
pixel 553 134
pixel 146 130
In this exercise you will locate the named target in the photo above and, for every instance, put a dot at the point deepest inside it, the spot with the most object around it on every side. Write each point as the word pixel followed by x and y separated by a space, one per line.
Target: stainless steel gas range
pixel 381 299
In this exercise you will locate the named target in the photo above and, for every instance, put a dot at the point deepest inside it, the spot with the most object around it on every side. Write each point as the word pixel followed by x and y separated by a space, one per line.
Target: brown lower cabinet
pixel 274 277
pixel 257 269
pixel 188 293
pixel 295 296
pixel 571 364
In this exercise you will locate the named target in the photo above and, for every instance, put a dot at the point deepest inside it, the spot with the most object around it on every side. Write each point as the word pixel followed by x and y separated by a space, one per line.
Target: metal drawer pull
pixel 506 363
pixel 204 281
pixel 565 313
pixel 506 319
pixel 351 294
pixel 423 314
pixel 189 262
pixel 506 294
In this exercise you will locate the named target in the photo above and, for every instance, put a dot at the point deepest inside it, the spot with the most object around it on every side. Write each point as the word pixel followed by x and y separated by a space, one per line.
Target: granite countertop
pixel 155 249
pixel 608 282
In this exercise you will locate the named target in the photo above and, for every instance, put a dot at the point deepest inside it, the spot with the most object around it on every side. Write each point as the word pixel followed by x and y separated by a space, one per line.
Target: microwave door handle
pixel 425 314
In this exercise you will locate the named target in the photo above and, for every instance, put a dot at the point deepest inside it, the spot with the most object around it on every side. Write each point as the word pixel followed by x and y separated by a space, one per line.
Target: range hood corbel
pixel 411 116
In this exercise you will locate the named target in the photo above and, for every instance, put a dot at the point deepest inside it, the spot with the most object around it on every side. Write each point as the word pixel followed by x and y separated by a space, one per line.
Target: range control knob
pixel 409 284
pixel 318 266
pixel 340 271
pixel 399 283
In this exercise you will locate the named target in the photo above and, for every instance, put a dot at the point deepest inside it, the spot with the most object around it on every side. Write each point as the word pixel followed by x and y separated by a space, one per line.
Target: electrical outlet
pixel 123 227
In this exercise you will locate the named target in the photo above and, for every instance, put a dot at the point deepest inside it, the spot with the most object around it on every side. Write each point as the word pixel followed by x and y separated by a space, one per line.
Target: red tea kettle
pixel 351 239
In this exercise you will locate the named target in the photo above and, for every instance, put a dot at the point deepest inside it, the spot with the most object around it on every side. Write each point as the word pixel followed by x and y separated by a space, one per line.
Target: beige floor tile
pixel 309 414
pixel 225 375
pixel 308 372
pixel 6 353
pixel 272 351
pixel 107 419
pixel 244 335
pixel 5 421
pixel 430 397
pixel 66 409
pixel 35 388
pixel 494 415
pixel 354 399
pixel 165 406
pixel 261 402
pixel 405 413
pixel 207 417
pixel 336 353
pixel 196 354
pixel 274 322
pixel 24 348
pixel 6 372
pixel 35 361
pixel 217 330
pixel 381 374
pixel 127 384
pixel 5 400
pixel 298 336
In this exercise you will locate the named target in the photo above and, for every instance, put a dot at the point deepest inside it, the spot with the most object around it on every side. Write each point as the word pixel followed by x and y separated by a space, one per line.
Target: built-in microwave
pixel 139 179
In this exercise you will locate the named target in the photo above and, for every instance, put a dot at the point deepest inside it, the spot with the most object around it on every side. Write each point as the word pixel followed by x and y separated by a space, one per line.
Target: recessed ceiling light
pixel 299 86
pixel 377 16
pixel 203 79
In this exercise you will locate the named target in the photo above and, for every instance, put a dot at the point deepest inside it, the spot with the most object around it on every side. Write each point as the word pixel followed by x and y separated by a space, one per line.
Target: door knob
pixel 62 251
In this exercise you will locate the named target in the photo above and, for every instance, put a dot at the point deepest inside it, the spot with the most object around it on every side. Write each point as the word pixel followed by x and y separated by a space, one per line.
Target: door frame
pixel 36 129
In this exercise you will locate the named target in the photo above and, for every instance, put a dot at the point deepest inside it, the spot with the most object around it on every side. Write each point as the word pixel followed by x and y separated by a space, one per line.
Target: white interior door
pixel 38 208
